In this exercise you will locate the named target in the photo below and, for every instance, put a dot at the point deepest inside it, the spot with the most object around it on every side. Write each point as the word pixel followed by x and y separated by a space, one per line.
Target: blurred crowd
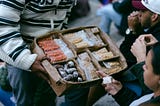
pixel 139 22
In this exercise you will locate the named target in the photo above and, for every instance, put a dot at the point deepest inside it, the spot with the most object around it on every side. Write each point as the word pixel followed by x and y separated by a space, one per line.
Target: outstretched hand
pixel 112 88
pixel 148 38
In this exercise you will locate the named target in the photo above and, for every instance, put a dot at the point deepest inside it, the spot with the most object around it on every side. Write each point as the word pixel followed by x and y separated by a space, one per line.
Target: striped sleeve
pixel 13 49
pixel 66 6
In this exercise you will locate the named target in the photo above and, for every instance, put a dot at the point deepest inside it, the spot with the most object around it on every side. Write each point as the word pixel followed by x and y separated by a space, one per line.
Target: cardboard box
pixel 102 54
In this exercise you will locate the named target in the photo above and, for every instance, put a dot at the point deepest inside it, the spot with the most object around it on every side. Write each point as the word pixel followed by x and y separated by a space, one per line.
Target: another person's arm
pixel 148 38
pixel 121 94
pixel 138 48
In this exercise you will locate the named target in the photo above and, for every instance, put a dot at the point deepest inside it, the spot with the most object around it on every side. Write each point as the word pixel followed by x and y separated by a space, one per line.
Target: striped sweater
pixel 19 19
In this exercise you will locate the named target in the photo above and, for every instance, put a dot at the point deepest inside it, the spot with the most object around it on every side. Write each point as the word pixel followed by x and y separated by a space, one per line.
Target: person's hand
pixel 112 88
pixel 138 49
pixel 38 69
pixel 133 21
pixel 148 38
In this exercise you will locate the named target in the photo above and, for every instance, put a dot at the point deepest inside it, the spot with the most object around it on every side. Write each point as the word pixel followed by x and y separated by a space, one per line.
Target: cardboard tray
pixel 111 46
pixel 61 86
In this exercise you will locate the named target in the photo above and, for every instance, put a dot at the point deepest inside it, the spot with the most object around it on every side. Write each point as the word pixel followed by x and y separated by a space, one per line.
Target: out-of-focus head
pixel 152 5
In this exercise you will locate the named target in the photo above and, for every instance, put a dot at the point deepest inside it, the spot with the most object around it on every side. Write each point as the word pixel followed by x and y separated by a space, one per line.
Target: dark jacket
pixel 130 39
pixel 125 8
pixel 126 96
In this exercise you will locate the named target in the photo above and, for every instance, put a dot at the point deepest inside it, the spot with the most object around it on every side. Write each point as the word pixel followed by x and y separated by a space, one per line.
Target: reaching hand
pixel 114 87
pixel 139 46
pixel 138 49
pixel 148 38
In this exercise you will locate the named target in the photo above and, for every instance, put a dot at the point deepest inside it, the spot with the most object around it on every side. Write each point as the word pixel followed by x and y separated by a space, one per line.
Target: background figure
pixel 81 9
pixel 6 98
pixel 144 21
pixel 5 88
pixel 115 12
pixel 104 2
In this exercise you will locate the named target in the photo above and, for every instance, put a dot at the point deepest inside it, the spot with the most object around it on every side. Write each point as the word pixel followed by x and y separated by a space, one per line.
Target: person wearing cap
pixel 151 77
pixel 146 20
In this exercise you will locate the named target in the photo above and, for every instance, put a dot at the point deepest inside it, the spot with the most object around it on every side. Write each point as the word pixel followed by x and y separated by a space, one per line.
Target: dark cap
pixel 138 5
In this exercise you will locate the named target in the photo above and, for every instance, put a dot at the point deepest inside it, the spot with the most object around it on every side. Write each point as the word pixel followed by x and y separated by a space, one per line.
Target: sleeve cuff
pixel 26 59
